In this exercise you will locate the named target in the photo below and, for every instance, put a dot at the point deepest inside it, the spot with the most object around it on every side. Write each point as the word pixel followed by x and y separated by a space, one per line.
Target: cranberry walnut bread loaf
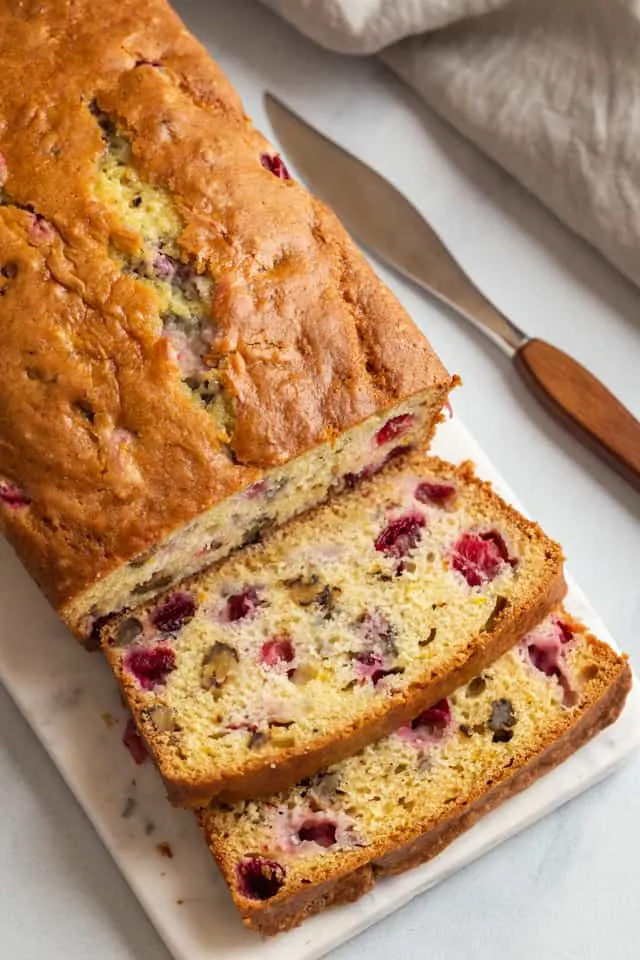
pixel 193 348
pixel 298 651
pixel 402 800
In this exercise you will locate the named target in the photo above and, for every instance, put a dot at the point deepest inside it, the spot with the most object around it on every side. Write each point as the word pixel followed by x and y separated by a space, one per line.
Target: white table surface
pixel 568 887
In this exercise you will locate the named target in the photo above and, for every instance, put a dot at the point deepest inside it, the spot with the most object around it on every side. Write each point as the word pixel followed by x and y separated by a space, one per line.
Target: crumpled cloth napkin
pixel 550 89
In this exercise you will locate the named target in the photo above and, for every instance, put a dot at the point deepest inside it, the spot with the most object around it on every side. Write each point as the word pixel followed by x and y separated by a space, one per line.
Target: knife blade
pixel 390 227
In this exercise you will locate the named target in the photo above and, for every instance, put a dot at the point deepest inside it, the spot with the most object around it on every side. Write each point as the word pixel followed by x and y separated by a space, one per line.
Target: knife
pixel 386 223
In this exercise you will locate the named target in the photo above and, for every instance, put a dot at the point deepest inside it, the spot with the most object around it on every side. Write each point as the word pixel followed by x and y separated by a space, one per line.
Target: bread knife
pixel 391 228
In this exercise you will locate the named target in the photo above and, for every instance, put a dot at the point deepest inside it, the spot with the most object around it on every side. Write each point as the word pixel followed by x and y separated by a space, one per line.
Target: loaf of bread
pixel 298 651
pixel 192 347
pixel 402 800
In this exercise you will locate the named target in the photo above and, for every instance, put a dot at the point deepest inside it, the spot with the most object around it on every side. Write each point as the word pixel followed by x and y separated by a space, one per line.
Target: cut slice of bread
pixel 299 651
pixel 276 495
pixel 402 800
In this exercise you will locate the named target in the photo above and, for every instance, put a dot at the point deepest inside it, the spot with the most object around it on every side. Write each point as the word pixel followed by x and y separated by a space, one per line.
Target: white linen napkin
pixel 550 89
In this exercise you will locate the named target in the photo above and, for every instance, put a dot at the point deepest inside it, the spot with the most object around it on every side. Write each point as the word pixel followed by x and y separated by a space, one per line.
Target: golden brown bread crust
pixel 302 322
pixel 604 709
pixel 545 594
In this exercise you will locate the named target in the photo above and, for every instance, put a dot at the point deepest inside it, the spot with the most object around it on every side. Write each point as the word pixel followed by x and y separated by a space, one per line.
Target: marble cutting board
pixel 71 702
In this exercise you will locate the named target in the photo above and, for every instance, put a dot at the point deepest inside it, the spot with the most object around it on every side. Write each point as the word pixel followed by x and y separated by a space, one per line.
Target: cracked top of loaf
pixel 177 314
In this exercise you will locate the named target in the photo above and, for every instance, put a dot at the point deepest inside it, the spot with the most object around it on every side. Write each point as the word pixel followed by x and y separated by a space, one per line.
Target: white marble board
pixel 71 702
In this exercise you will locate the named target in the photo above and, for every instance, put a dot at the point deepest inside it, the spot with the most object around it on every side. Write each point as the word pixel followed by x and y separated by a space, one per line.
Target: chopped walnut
pixel 217 666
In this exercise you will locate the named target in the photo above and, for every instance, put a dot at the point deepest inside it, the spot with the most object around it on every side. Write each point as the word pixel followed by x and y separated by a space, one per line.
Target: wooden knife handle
pixel 569 391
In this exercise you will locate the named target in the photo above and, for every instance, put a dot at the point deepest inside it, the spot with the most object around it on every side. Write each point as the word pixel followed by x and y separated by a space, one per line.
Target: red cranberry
pixel 134 742
pixel 322 832
pixel 479 557
pixel 371 666
pixel 276 651
pixel 400 536
pixel 546 654
pixel 396 452
pixel 258 489
pixel 242 605
pixel 492 536
pixel 251 727
pixel 544 658
pixel 150 665
pixel 428 727
pixel 394 428
pixel 174 613
pixel 13 496
pixel 259 878
pixel 545 648
pixel 438 493
pixel 368 659
pixel 276 165
pixel 351 480
pixel 565 630
pixel 435 719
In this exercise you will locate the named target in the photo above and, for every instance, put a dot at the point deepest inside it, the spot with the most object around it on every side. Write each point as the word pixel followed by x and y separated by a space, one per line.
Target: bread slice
pixel 271 498
pixel 345 624
pixel 403 799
